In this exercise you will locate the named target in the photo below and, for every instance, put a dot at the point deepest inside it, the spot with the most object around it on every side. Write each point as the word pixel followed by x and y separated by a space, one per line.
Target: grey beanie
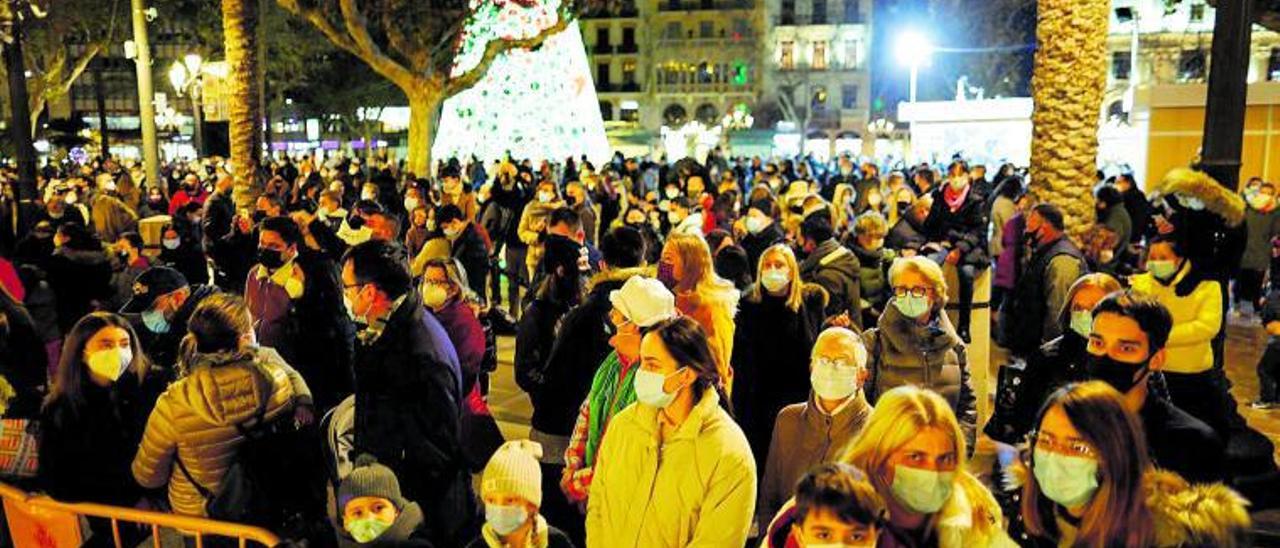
pixel 370 479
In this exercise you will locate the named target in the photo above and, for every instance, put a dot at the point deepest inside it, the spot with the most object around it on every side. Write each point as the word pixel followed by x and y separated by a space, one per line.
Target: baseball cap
pixel 152 283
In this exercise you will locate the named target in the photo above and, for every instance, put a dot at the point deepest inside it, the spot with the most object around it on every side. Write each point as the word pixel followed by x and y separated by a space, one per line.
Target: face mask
pixel 70 198
pixel 958 184
pixel 1162 270
pixel 350 306
pixel 674 218
pixel 833 379
pixel 155 321
pixel 110 363
pixel 1069 481
pixel 171 243
pixel 667 274
pixel 410 204
pixel 921 491
pixel 434 296
pixel 1082 322
pixel 505 519
pixel 452 233
pixel 875 245
pixel 367 529
pixel 756 224
pixel 671 193
pixel 545 197
pixel 1261 201
pixel 270 258
pixel 1120 375
pixel 649 390
pixel 775 279
pixel 369 196
pixel 1190 202
pixel 912 306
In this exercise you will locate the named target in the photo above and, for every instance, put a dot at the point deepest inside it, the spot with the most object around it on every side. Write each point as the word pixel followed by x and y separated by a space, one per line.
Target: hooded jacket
pixel 1197 317
pixel 837 270
pixel 1213 237
pixel 695 488
pixel 195 420
pixel 407 531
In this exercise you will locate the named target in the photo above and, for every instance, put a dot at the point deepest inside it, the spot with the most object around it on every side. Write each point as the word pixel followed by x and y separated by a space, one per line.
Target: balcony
pixel 710 87
pixel 604 87
pixel 745 41
pixel 704 5
pixel 805 19
pixel 630 87
pixel 610 12
pixel 624 49
pixel 600 49
pixel 831 66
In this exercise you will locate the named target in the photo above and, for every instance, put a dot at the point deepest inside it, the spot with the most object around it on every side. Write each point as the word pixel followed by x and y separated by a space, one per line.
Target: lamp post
pixel 914 50
pixel 186 78
pixel 146 95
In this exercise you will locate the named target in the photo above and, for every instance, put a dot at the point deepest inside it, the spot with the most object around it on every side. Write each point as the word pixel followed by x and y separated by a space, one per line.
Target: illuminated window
pixel 820 55
pixel 788 58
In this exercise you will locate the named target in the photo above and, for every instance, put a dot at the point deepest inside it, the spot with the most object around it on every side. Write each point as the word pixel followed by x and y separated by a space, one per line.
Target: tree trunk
pixel 244 108
pixel 424 110
pixel 1067 86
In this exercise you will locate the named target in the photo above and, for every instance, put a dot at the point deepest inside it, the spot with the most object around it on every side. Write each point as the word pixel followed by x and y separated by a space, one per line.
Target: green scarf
pixel 610 393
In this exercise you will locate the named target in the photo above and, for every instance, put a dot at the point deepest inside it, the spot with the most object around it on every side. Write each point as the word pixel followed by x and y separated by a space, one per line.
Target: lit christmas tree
pixel 538 104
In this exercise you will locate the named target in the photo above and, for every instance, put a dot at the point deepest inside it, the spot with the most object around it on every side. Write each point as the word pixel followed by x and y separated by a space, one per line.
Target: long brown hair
pixel 687 343
pixel 68 380
pixel 217 325
pixel 1118 514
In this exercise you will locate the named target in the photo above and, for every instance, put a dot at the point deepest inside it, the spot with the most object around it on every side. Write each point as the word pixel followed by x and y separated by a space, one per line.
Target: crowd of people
pixel 720 353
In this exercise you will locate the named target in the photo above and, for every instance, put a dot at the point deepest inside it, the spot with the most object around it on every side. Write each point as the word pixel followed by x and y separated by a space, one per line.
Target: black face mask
pixel 270 258
pixel 258 216
pixel 1122 376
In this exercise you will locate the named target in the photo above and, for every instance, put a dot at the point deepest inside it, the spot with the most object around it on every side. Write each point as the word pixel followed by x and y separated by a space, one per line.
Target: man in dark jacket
pixel 162 303
pixel 466 244
pixel 227 246
pixel 907 235
pixel 831 266
pixel 1136 204
pixel 762 230
pixel 408 388
pixel 1031 312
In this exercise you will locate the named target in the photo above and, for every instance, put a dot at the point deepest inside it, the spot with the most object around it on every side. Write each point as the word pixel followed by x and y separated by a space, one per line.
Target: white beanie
pixel 514 470
pixel 644 301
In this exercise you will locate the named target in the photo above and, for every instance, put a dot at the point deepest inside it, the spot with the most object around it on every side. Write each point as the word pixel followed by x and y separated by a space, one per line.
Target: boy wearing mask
pixel 373 511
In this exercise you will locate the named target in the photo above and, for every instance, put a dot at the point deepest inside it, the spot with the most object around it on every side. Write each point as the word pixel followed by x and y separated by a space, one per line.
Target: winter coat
pixel 533 212
pixel 905 234
pixel 469 248
pixel 581 343
pixel 1139 213
pixel 755 244
pixel 873 277
pixel 901 351
pixel 771 353
pixel 1008 263
pixel 1117 220
pixel 805 436
pixel 695 488
pixel 111 217
pixel 1029 314
pixel 86 450
pixel 1184 514
pixel 535 338
pixel 162 348
pixel 509 202
pixel 408 408
pixel 1212 238
pixel 408 531
pixel 1002 209
pixel 1196 307
pixel 837 270
pixel 715 312
pixel 1055 364
pixel 223 244
pixel 81 278
pixel 1170 431
pixel 467 336
pixel 195 420
pixel 23 360
pixel 189 259
pixel 965 228
pixel 1261 228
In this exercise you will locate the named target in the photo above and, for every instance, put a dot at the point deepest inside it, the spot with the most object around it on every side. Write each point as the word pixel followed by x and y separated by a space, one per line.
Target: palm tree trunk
pixel 244 107
pixel 1067 85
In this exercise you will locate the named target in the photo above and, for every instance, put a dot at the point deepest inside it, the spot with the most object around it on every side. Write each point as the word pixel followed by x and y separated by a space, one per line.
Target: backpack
pixel 274 481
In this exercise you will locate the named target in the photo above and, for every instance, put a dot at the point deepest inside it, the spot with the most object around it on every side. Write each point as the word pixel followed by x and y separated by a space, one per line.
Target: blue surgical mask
pixel 505 519
pixel 912 306
pixel 1066 480
pixel 155 321
pixel 921 491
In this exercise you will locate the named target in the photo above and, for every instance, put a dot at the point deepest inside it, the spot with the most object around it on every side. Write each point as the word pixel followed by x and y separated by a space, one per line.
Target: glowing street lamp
pixel 185 77
pixel 914 49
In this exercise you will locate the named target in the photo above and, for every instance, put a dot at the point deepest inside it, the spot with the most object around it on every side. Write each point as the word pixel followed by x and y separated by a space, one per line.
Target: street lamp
pixel 185 75
pixel 914 49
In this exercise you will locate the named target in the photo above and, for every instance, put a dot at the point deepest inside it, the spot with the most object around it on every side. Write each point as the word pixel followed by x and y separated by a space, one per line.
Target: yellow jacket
pixel 196 417
pixel 1197 318
pixel 697 488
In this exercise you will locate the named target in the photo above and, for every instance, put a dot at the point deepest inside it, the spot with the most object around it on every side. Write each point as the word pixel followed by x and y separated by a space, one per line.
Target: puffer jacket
pixel 902 351
pixel 1197 317
pixel 699 493
pixel 195 420
pixel 837 270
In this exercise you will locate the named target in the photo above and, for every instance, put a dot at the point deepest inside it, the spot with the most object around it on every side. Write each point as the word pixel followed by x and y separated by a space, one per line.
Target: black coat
pixel 408 404
pixel 535 338
pixel 87 450
pixel 905 234
pixel 80 279
pixel 965 228
pixel 320 334
pixel 1182 443
pixel 1018 402
pixel 771 350
pixel 226 248
pixel 23 361
pixel 756 244
pixel 470 250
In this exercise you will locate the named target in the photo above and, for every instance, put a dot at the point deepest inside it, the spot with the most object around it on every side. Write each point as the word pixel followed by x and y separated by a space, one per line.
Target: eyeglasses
pixel 913 291
pixel 1071 448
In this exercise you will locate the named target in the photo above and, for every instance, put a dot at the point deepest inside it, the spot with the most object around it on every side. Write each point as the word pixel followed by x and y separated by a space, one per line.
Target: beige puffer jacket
pixel 195 420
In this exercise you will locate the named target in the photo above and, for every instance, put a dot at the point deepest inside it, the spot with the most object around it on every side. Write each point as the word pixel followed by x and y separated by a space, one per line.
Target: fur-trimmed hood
pixel 620 275
pixel 1198 184
pixel 1186 514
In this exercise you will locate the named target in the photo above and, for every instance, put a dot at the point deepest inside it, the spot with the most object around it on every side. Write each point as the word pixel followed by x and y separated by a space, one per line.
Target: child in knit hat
pixel 512 491
pixel 373 511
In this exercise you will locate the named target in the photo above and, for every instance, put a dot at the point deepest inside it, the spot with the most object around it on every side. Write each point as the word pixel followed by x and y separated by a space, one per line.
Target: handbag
pixel 19 448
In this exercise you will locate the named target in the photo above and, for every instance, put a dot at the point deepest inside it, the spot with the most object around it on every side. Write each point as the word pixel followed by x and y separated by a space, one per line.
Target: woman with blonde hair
pixel 915 343
pixel 914 453
pixel 779 320
pixel 1092 483
pixel 686 269
pixel 1056 363
pixel 843 203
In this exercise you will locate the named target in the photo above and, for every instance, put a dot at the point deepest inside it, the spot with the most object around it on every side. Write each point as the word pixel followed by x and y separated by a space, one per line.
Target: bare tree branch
pixel 355 40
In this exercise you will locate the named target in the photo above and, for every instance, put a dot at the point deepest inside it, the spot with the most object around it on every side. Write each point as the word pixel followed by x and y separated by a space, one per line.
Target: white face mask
pixel 649 389
pixel 434 295
pixel 833 379
pixel 410 204
pixel 110 363
pixel 545 197
pixel 367 195
pixel 775 279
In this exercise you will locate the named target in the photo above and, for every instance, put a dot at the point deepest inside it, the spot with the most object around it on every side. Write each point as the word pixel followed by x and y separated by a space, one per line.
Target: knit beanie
pixel 370 479
pixel 514 470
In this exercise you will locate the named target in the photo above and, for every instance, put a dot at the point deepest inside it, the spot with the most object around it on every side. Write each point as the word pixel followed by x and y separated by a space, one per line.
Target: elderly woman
pixel 915 343
pixel 444 287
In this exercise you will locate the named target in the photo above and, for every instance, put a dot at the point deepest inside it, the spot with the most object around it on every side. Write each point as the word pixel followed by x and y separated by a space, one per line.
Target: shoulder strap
pixel 204 493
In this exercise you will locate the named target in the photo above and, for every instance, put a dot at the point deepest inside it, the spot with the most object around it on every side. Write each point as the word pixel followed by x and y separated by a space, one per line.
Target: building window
pixel 787 59
pixel 851 12
pixel 630 112
pixel 819 12
pixel 629 37
pixel 602 75
pixel 820 55
pixel 675 31
pixel 706 29
pixel 606 110
pixel 788 13
pixel 705 72
pixel 852 54
pixel 1197 13
pixel 1120 65
pixel 741 29
pixel 848 96
pixel 819 99
pixel 629 71
pixel 602 37
pixel 1273 65
pixel 1191 65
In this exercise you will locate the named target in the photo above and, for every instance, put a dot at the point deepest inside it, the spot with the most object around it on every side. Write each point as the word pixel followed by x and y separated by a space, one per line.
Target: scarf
pixel 612 391
pixel 955 200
